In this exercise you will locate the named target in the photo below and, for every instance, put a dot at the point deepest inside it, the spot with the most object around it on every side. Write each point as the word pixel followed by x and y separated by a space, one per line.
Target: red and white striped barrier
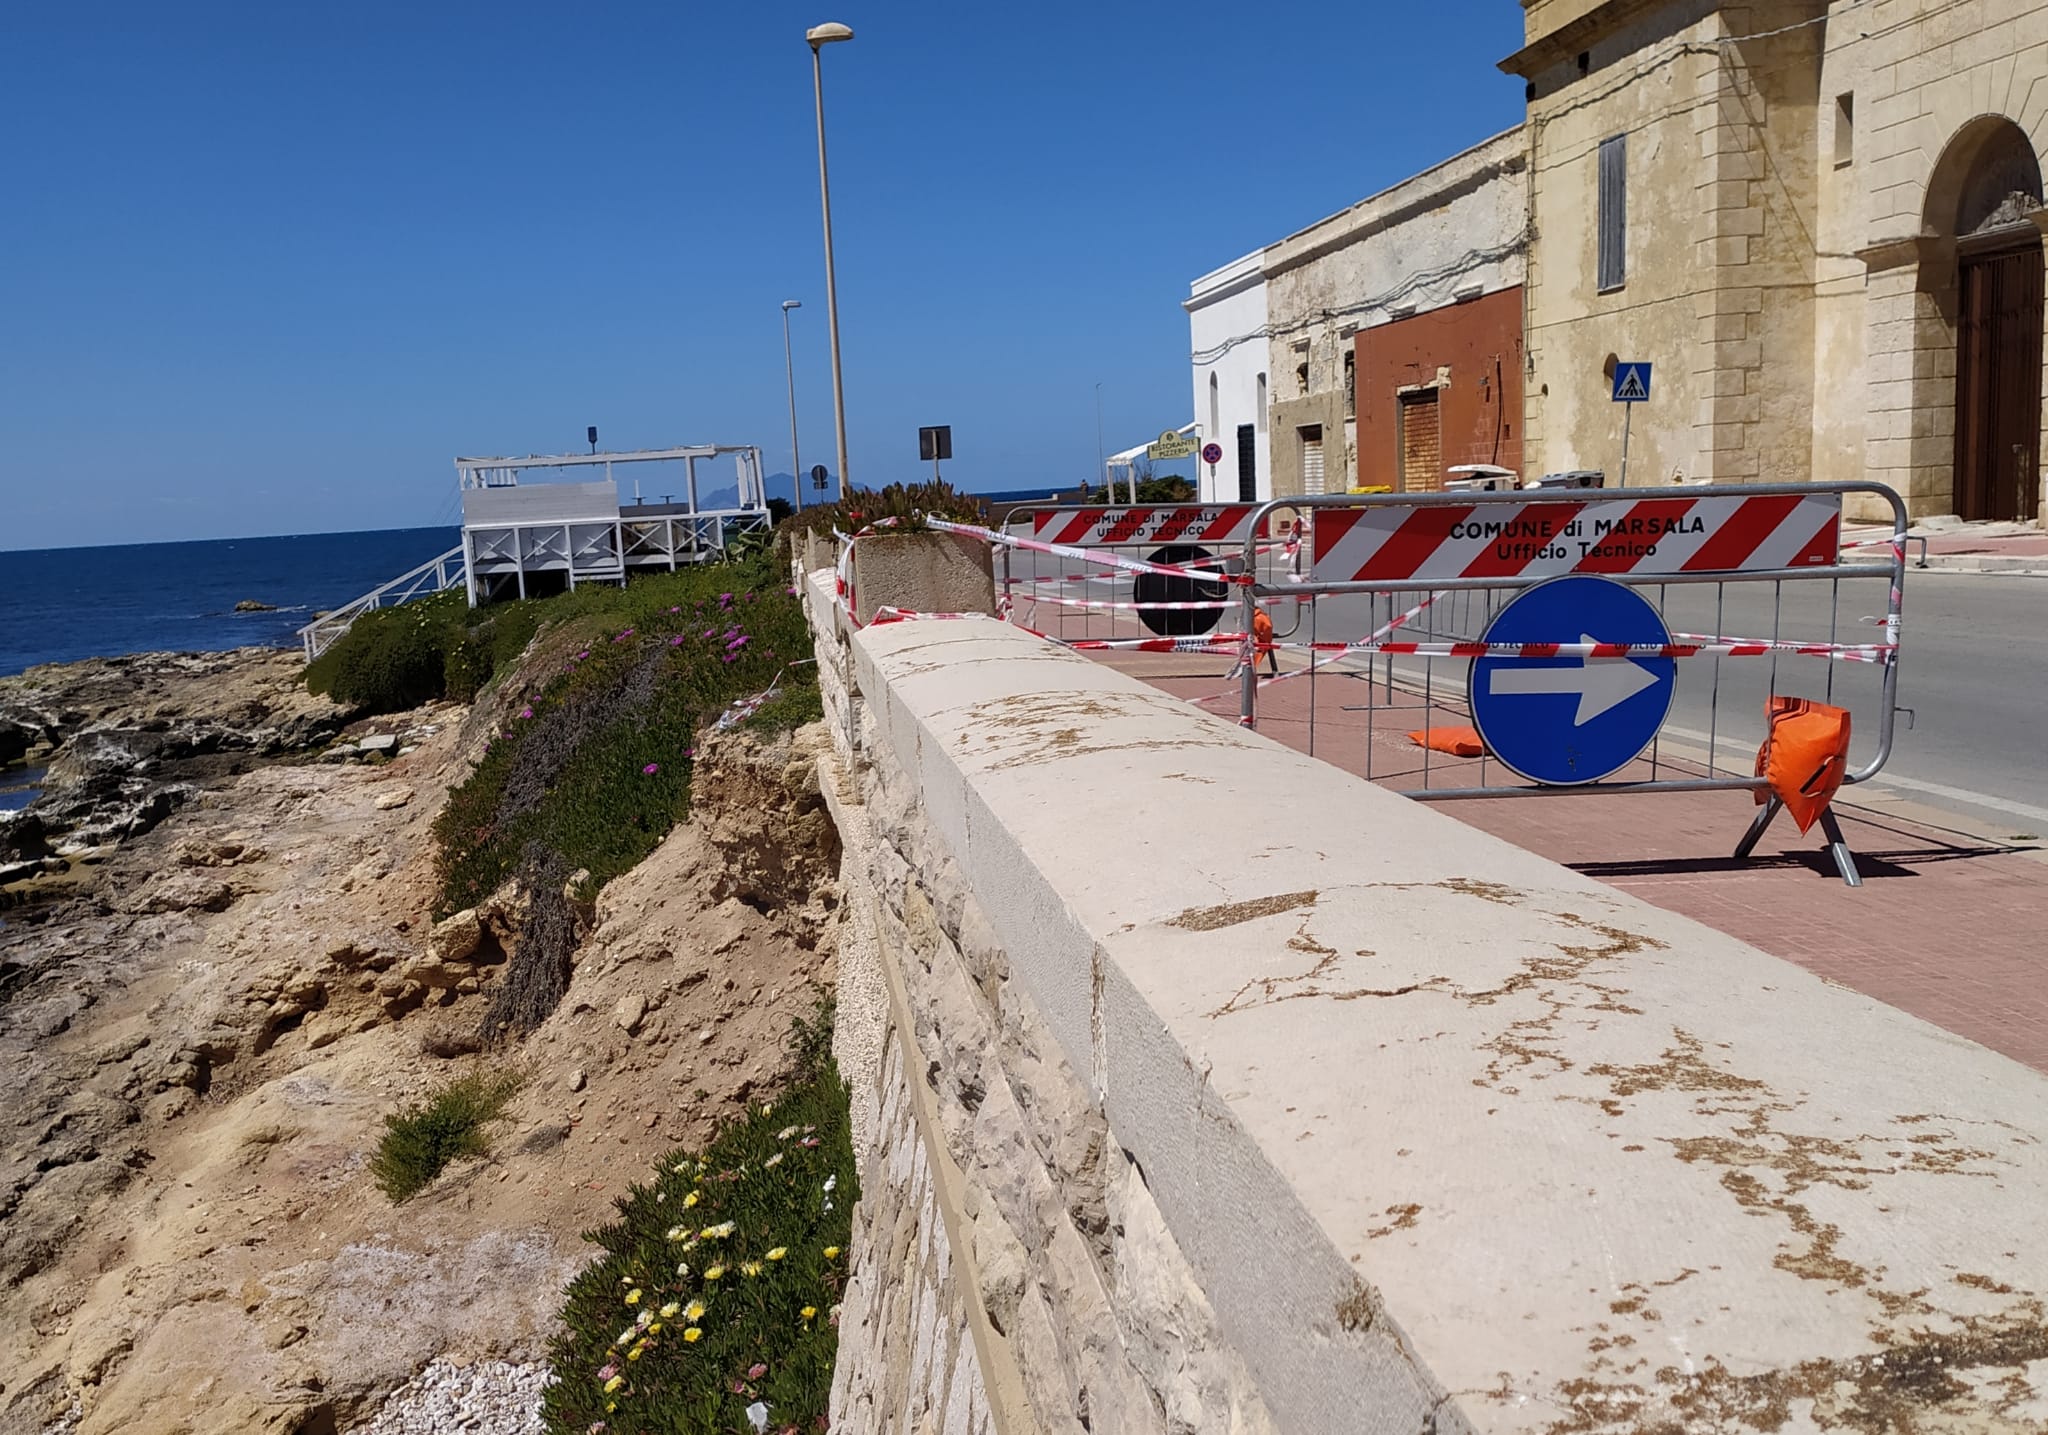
pixel 1089 527
pixel 1085 555
pixel 1402 543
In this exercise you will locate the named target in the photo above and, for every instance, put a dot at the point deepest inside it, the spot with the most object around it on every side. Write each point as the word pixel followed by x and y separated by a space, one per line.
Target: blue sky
pixel 267 269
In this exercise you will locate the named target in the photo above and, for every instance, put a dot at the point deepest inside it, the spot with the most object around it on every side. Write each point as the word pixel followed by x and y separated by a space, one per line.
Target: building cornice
pixel 1575 36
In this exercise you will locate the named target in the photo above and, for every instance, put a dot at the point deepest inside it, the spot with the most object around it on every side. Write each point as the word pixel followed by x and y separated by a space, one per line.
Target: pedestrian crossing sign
pixel 1631 383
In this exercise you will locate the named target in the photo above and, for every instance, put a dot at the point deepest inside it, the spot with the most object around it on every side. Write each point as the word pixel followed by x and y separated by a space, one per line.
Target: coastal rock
pixel 630 1012
pixel 375 743
pixel 250 605
pixel 396 798
pixel 132 733
pixel 456 938
pixel 15 741
pixel 184 892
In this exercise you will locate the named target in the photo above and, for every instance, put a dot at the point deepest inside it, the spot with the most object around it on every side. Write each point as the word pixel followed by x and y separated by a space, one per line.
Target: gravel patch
pixel 489 1397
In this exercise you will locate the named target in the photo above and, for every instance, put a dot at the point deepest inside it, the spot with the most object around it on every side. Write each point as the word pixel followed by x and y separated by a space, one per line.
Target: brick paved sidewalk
pixel 1948 927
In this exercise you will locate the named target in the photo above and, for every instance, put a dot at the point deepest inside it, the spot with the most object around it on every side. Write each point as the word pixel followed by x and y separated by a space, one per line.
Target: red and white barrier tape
pixel 1088 555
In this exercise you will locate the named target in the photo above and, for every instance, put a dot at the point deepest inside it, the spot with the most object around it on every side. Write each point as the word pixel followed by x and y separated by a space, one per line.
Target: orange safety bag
pixel 1805 755
pixel 1457 741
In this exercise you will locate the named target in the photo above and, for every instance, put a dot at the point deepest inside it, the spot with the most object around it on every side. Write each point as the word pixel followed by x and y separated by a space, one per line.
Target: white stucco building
pixel 1227 339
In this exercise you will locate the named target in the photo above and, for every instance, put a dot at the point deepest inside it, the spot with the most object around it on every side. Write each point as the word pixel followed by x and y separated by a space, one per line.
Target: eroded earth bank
pixel 220 973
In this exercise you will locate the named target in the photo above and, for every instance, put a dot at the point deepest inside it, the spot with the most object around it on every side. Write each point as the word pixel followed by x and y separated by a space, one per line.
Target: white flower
pixel 775 1160
pixel 757 1415
pixel 830 1183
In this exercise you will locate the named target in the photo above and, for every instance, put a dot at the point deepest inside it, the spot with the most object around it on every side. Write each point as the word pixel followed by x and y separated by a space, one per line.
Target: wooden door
pixel 1422 469
pixel 1998 384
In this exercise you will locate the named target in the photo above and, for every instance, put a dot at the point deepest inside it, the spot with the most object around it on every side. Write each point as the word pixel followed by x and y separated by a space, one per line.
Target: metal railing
pixel 436 575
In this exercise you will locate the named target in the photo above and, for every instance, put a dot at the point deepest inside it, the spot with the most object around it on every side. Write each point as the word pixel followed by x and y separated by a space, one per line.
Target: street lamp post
pixel 796 463
pixel 820 36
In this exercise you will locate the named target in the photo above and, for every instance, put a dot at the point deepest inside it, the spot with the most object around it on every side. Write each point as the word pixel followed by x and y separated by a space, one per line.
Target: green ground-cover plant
pixel 596 766
pixel 908 503
pixel 716 1299
pixel 394 658
pixel 424 1137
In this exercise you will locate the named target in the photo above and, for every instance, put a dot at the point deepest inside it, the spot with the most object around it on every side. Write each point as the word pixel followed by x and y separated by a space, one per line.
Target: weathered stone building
pixel 1395 329
pixel 1821 221
pixel 1378 346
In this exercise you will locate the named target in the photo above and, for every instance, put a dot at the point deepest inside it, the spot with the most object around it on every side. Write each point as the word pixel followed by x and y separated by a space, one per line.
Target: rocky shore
pixel 224 971
pixel 129 740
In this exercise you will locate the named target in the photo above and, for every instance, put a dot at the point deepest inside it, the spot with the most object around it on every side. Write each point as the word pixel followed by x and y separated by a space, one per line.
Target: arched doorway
pixel 1985 192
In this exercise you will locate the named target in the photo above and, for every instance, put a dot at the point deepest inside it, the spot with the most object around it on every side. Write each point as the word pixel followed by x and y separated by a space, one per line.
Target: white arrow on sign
pixel 1601 683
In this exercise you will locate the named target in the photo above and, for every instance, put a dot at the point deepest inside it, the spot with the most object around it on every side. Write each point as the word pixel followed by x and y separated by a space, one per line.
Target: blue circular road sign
pixel 1569 720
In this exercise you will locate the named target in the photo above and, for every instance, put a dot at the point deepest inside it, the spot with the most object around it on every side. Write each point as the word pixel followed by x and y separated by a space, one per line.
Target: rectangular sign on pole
pixel 935 443
pixel 1403 542
pixel 1210 524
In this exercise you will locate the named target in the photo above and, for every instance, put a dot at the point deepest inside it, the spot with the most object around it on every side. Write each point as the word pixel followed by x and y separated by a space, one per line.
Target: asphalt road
pixel 1973 670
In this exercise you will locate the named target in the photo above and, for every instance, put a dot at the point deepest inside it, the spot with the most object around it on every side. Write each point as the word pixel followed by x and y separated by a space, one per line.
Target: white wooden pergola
pixel 580 530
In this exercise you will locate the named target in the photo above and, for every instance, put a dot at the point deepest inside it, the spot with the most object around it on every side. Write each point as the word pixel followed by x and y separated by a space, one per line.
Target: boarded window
pixel 1311 458
pixel 1421 448
pixel 1350 383
pixel 1613 213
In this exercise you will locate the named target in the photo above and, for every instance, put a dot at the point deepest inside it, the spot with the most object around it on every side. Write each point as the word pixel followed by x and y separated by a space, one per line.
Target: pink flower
pixel 582 655
pixel 650 769
pixel 677 641
pixel 526 712
pixel 623 636
pixel 689 752
pixel 755 1372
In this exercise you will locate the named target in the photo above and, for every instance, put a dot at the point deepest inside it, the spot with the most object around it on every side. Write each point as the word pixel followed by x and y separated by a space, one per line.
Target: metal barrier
pixel 1072 601
pixel 1400 583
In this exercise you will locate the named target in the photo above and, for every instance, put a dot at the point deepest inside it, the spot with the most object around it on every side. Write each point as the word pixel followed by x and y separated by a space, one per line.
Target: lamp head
pixel 789 304
pixel 827 34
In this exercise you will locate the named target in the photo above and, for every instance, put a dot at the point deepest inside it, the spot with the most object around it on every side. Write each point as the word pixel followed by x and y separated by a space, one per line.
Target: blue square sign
pixel 1631 383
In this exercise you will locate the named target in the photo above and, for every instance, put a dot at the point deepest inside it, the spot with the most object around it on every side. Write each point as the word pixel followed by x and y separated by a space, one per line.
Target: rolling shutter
pixel 1613 213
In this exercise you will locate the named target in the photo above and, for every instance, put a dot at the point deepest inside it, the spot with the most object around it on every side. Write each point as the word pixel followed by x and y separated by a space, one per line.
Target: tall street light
pixel 796 464
pixel 820 36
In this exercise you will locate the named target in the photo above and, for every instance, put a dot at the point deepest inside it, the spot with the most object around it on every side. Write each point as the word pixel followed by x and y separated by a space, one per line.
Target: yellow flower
pixel 654 1329
pixel 778 1253
pixel 668 1312
pixel 633 1296
pixel 831 1253
pixel 614 1384
pixel 694 1311
pixel 714 1273
pixel 610 1406
pixel 634 1353
pixel 693 1335
pixel 689 1200
pixel 810 1311
pixel 750 1269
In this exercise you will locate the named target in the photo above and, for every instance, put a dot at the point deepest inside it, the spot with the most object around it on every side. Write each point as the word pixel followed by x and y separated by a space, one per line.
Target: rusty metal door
pixel 1998 384
pixel 1422 469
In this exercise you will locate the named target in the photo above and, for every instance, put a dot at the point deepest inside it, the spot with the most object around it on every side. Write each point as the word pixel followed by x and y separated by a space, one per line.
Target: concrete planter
pixel 922 573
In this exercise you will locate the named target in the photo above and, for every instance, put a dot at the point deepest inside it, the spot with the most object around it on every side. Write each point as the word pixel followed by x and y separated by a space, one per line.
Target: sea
pixel 61 604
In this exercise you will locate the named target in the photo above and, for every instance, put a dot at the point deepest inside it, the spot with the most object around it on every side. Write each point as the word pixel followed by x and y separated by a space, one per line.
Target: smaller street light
pixel 796 464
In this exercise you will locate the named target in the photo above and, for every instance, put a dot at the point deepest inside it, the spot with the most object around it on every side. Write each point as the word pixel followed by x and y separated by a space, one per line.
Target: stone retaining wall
pixel 1201 1086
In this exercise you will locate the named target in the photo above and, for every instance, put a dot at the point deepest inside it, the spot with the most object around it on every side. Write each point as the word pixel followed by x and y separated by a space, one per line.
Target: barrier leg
pixel 1757 825
pixel 1838 848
